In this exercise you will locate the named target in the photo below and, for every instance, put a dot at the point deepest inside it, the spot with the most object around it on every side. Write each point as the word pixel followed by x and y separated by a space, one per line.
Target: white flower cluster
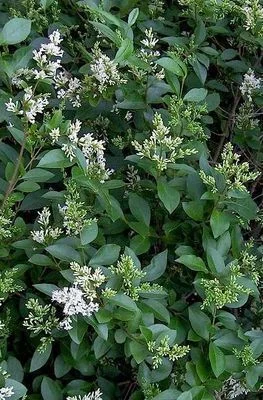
pixel 48 61
pixel 104 70
pixel 250 84
pixel 92 149
pixel 81 297
pixel 46 232
pixel 150 41
pixel 70 148
pixel 253 13
pixel 6 392
pixel 43 57
pixel 68 88
pixel 91 396
pixel 75 303
pixel 30 106
pixel 148 53
pixel 231 389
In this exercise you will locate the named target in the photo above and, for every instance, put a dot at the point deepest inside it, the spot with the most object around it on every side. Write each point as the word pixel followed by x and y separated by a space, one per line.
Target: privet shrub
pixel 130 151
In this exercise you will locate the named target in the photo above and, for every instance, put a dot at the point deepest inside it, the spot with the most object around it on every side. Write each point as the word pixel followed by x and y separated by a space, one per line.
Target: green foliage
pixel 130 200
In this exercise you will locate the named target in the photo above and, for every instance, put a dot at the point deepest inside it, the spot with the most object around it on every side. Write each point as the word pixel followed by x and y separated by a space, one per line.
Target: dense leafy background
pixel 184 219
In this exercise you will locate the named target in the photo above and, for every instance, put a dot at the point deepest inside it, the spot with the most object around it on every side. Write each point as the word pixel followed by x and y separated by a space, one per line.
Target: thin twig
pixel 229 126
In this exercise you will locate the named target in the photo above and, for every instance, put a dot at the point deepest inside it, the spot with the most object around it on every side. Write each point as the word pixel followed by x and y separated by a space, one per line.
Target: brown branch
pixel 229 126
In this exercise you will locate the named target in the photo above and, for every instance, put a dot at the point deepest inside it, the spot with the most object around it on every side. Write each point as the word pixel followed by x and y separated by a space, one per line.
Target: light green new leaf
pixel 125 51
pixel 133 16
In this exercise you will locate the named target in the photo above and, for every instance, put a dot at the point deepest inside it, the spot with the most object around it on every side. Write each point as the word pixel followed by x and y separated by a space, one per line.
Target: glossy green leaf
pixel 169 195
pixel 192 262
pixel 200 322
pixel 217 359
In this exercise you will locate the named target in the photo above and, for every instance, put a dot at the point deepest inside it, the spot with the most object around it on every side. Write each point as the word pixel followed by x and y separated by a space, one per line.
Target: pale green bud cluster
pixel 245 117
pixel 127 270
pixel 74 212
pixel 216 9
pixel 41 319
pixel 131 276
pixel 7 229
pixel 108 293
pixel 150 390
pixel 187 117
pixel 162 148
pixel 33 10
pixel 87 279
pixel 118 142
pixel 163 349
pixel 8 283
pixel 4 327
pixel 236 173
pixel 209 181
pixel 246 356
pixel 156 9
pixel 248 264
pixel 150 287
pixel 219 294
pixel 100 126
pixel 253 16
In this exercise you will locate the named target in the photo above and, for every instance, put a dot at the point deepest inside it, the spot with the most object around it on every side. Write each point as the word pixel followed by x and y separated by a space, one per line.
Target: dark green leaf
pixel 169 195
pixel 217 359
pixel 192 262
pixel 106 255
pixel 200 322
